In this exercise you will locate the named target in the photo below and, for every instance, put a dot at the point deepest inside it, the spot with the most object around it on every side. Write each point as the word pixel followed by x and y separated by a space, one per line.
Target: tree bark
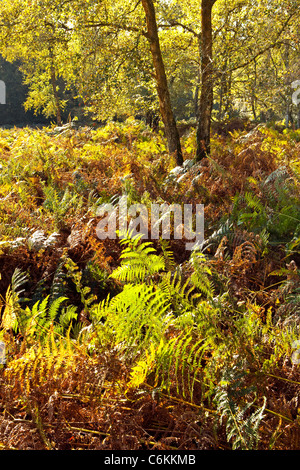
pixel 166 111
pixel 206 96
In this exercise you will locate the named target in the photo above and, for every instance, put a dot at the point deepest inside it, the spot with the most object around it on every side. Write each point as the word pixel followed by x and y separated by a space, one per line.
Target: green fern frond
pixel 19 278
pixel 11 314
pixel 60 204
pixel 182 295
pixel 241 429
pixel 67 315
pixel 254 202
pixel 59 286
pixel 44 316
pixel 73 272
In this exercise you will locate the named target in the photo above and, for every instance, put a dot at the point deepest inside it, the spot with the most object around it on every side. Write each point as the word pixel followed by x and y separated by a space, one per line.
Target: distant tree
pixel 256 45
pixel 13 112
pixel 122 57
pixel 116 70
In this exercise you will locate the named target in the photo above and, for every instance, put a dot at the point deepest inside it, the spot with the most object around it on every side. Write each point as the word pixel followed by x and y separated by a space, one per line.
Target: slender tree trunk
pixel 196 100
pixel 228 95
pixel 223 90
pixel 220 103
pixel 167 115
pixel 206 96
pixel 288 117
pixel 54 88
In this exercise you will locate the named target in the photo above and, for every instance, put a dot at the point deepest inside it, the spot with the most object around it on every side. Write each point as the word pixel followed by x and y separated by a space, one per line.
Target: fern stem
pixel 180 400
pixel 286 215
pixel 91 431
pixel 155 443
pixel 276 414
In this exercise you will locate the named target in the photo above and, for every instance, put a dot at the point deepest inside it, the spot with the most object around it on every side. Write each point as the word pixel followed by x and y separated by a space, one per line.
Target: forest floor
pixel 124 345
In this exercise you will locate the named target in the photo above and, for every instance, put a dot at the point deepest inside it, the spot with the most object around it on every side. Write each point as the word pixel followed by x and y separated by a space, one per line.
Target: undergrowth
pixel 136 344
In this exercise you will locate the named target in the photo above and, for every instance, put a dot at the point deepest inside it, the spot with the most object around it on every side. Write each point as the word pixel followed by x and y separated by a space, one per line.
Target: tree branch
pixel 274 44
